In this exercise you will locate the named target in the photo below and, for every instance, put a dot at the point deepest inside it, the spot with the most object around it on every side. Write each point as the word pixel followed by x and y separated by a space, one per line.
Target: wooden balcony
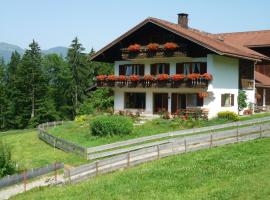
pixel 185 83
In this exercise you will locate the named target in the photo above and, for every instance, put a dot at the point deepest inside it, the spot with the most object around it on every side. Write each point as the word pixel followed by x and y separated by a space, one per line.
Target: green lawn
pixel 79 133
pixel 30 152
pixel 239 171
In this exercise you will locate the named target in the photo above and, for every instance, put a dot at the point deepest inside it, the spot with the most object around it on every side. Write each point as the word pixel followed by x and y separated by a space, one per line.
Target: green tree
pixel 3 95
pixel 80 72
pixel 242 100
pixel 31 85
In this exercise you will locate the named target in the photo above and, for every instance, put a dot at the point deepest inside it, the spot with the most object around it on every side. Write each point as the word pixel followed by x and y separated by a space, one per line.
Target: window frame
pixel 134 107
pixel 230 99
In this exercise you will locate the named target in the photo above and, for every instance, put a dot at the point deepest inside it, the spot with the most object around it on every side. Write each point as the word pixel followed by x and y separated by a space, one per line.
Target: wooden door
pixel 160 102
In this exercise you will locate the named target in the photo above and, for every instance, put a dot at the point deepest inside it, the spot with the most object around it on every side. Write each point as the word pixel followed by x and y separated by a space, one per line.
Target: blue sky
pixel 97 22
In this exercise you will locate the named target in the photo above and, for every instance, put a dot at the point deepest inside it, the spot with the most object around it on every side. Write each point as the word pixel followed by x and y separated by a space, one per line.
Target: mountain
pixel 57 50
pixel 6 50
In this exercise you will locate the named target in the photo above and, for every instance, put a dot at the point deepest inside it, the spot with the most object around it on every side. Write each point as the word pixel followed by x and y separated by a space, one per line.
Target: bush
pixel 229 115
pixel 111 125
pixel 81 118
pixel 7 165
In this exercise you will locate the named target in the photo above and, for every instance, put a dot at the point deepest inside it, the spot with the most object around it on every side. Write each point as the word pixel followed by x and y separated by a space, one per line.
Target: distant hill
pixel 6 50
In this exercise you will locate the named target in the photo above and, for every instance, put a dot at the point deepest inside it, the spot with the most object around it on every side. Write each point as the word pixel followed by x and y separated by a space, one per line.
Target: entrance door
pixel 178 102
pixel 160 102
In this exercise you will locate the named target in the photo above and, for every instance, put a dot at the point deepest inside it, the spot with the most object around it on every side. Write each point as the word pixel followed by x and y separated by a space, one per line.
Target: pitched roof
pixel 262 79
pixel 248 39
pixel 207 40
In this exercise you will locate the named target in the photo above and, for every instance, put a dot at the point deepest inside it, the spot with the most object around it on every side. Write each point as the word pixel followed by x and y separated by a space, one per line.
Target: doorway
pixel 160 102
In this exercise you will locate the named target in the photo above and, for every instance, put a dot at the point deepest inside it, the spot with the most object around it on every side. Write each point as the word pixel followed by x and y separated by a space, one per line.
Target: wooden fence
pixel 132 144
pixel 57 142
pixel 176 146
pixel 23 177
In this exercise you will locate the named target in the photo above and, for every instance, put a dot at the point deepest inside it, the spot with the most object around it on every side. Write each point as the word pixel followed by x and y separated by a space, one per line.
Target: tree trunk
pixel 33 104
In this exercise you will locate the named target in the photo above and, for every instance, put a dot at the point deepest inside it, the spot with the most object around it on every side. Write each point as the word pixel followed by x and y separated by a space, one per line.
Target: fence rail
pixel 17 178
pixel 176 146
pixel 58 142
pixel 133 144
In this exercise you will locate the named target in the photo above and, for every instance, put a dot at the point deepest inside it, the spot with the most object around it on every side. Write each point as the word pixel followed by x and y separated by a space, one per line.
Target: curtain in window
pixel 186 68
pixel 129 70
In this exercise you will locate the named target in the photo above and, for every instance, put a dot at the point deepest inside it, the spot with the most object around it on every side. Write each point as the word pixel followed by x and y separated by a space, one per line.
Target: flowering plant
pixel 111 78
pixel 178 77
pixel 134 78
pixel 134 47
pixel 203 94
pixel 170 46
pixel 101 77
pixel 193 76
pixel 163 77
pixel 148 77
pixel 152 46
pixel 122 78
pixel 207 76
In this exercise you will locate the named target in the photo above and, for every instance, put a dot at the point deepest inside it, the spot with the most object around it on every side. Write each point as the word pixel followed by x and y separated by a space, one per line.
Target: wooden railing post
pixel 185 142
pixel 158 152
pixel 24 180
pixel 260 131
pixel 55 171
pixel 237 132
pixel 128 159
pixel 211 140
pixel 96 167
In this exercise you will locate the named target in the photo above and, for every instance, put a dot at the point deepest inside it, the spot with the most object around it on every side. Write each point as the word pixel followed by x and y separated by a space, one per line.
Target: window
pixel 160 68
pixel 227 100
pixel 130 69
pixel 188 68
pixel 135 100
pixel 193 100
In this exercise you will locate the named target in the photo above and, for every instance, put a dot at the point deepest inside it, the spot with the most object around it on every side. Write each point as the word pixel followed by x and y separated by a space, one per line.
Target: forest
pixel 36 88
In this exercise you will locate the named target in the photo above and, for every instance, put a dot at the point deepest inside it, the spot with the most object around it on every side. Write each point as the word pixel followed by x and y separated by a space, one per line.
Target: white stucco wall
pixel 225 71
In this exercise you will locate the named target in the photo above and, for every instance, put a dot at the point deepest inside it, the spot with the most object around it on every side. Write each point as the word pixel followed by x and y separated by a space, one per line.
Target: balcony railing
pixel 148 81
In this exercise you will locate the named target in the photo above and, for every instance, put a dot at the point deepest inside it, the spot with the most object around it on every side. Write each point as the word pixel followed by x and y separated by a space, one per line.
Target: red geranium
pixel 152 46
pixel 203 94
pixel 170 46
pixel 122 78
pixel 134 78
pixel 111 78
pixel 193 76
pixel 207 76
pixel 163 77
pixel 178 77
pixel 148 77
pixel 134 47
pixel 101 77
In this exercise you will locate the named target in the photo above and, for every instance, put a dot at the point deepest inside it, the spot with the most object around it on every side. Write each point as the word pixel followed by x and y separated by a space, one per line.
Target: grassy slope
pixel 79 133
pixel 239 171
pixel 30 152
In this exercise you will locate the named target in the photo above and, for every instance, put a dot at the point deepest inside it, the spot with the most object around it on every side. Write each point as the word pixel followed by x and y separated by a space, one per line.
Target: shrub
pixel 81 118
pixel 111 125
pixel 7 165
pixel 242 100
pixel 228 115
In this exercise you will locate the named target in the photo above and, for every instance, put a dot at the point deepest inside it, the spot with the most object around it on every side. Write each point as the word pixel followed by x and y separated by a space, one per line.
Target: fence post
pixel 54 124
pixel 237 132
pixel 185 142
pixel 128 159
pixel 158 152
pixel 55 171
pixel 24 180
pixel 54 143
pixel 62 122
pixel 96 167
pixel 211 140
pixel 260 131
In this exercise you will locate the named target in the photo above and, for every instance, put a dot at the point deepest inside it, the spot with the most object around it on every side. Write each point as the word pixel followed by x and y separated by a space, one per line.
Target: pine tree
pixel 31 85
pixel 79 71
pixel 3 95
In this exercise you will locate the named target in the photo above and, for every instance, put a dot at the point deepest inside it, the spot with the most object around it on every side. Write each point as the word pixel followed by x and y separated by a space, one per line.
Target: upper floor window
pixel 160 68
pixel 130 69
pixel 189 68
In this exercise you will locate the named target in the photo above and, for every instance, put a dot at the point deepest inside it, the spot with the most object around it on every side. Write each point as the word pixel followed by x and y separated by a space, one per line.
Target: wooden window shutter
pixel 174 103
pixel 153 70
pixel 141 70
pixel 199 101
pixel 223 99
pixel 167 68
pixel 232 99
pixel 203 68
pixel 179 68
pixel 122 69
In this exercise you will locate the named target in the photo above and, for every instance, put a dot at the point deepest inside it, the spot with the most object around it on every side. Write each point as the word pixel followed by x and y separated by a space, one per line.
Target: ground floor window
pixel 135 100
pixel 227 100
pixel 193 100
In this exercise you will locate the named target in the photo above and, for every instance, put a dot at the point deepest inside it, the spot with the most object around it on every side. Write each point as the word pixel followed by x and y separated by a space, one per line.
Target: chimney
pixel 183 20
